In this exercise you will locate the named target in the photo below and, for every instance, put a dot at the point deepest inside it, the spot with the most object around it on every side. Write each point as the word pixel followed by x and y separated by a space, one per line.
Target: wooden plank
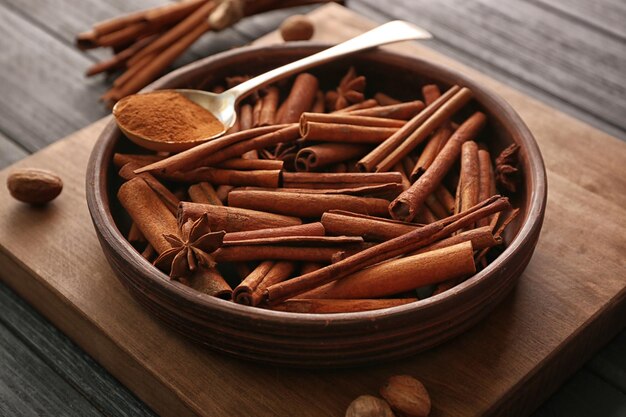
pixel 42 100
pixel 66 360
pixel 28 387
pixel 522 363
pixel 9 152
pixel 607 15
pixel 545 54
pixel 601 399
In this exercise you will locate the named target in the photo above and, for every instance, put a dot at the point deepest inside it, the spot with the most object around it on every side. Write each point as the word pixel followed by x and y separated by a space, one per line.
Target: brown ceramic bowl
pixel 329 340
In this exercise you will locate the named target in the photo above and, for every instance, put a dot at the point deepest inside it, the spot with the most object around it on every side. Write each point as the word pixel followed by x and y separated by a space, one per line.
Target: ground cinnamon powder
pixel 166 116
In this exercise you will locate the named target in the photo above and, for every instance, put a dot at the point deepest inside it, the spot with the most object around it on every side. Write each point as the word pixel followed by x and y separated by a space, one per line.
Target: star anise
pixel 350 91
pixel 190 251
pixel 507 173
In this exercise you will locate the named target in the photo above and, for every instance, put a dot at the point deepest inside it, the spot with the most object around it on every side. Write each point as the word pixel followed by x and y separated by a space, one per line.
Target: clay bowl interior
pixel 328 340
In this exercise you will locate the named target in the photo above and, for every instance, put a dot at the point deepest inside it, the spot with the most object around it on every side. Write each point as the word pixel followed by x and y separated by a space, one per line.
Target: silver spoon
pixel 222 105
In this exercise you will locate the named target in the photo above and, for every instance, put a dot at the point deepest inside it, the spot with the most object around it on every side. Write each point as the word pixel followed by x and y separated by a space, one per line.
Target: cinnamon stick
pixel 259 178
pixel 306 205
pixel 279 252
pixel 168 198
pixel 204 193
pixel 300 99
pixel 432 148
pixel 333 180
pixel 148 212
pixel 233 219
pixel 309 229
pixel 324 154
pixel 210 282
pixel 441 115
pixel 371 160
pixel 481 238
pixel 487 183
pixel 251 164
pixel 333 132
pixel 406 205
pixel 250 291
pixel 194 157
pixel 385 100
pixel 403 274
pixel 365 104
pixel 384 251
pixel 245 117
pixel 178 31
pixel 386 191
pixel 347 119
pixel 329 306
pixel 121 159
pixel 401 111
pixel 469 176
pixel 370 228
pixel 269 106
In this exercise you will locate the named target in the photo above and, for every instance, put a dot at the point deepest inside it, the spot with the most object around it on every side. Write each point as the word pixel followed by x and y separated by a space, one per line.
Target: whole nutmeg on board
pixel 407 396
pixel 296 28
pixel 34 186
pixel 369 406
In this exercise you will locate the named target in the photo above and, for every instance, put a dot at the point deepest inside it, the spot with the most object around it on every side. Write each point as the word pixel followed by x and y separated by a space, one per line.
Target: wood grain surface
pixel 570 301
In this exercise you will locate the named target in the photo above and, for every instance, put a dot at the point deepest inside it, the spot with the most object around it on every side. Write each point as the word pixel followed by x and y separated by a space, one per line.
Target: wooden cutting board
pixel 570 301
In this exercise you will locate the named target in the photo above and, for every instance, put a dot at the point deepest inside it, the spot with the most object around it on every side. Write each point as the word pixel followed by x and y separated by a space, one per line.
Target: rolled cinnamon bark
pixel 204 193
pixel 333 132
pixel 365 104
pixel 300 99
pixel 440 116
pixel 245 117
pixel 332 180
pixel 233 219
pixel 401 111
pixel 256 112
pixel 250 291
pixel 469 178
pixel 258 178
pixel 481 238
pixel 446 199
pixel 178 31
pixel 306 205
pixel 371 160
pixel 268 109
pixel 403 274
pixel 250 164
pixel 295 240
pixel 348 119
pixel 385 100
pixel 384 251
pixel 432 148
pixel 329 306
pixel 148 212
pixel 195 156
pixel 386 191
pixel 168 198
pixel 487 184
pixel 309 229
pixel 279 252
pixel 373 229
pixel 318 156
pixel 209 281
pixel 406 205
pixel 286 134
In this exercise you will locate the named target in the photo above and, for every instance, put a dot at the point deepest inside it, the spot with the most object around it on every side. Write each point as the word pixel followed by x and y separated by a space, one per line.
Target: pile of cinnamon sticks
pixel 146 43
pixel 317 205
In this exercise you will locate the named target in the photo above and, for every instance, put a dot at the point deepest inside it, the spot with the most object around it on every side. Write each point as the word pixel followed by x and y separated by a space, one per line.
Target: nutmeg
pixel 296 28
pixel 369 406
pixel 34 186
pixel 407 396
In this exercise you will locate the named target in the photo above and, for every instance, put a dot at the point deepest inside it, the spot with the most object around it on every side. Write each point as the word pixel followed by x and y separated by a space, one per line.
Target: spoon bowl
pixel 222 106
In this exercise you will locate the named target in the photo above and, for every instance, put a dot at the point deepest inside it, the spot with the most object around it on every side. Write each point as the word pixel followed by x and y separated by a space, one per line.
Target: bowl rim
pixel 97 201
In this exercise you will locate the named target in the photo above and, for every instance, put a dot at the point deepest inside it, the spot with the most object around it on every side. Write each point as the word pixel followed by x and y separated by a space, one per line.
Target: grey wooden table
pixel 570 54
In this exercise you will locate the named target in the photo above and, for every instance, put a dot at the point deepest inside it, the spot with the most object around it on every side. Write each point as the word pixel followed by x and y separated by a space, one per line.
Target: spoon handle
pixel 391 32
